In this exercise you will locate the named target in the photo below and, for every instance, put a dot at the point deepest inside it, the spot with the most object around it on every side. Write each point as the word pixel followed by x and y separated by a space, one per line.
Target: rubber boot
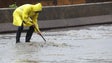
pixel 18 34
pixel 29 34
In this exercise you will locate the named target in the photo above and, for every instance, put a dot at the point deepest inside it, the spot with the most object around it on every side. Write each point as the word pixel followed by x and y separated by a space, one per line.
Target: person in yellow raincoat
pixel 26 15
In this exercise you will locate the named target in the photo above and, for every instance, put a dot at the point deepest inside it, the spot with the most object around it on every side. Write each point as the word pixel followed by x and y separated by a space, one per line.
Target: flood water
pixel 85 44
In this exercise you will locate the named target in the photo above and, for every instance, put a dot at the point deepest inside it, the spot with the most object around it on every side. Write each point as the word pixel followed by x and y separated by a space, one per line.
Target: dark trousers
pixel 28 35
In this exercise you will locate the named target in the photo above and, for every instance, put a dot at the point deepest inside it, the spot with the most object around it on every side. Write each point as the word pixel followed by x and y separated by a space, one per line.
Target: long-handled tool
pixel 39 33
pixel 42 37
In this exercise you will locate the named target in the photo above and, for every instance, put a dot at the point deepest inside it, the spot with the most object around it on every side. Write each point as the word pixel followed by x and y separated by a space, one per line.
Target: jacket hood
pixel 37 7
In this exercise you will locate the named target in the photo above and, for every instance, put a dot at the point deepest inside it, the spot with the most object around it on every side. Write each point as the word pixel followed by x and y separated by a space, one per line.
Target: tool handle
pixel 39 33
pixel 42 37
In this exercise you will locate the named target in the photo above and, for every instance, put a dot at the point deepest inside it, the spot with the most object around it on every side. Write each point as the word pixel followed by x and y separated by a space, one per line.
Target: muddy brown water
pixel 87 44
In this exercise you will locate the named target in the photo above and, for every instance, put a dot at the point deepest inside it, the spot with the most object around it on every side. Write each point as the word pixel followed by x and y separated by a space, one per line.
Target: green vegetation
pixel 13 5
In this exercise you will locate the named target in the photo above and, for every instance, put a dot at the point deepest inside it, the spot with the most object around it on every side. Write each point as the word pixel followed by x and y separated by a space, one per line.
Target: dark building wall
pixel 25 2
pixel 93 1
pixel 6 3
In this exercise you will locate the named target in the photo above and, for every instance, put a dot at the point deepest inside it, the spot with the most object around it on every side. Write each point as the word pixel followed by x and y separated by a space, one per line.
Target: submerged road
pixel 85 44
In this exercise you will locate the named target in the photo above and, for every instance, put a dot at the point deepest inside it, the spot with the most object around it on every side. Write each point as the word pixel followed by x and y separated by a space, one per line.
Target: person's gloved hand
pixel 39 33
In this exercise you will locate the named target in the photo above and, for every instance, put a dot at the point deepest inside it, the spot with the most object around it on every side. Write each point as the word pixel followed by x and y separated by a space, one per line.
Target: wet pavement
pixel 86 44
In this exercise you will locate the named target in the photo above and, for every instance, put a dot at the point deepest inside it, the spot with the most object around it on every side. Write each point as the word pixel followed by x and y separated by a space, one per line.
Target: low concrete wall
pixel 63 16
pixel 76 11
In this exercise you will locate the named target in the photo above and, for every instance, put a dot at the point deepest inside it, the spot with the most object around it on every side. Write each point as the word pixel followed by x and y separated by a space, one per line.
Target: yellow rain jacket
pixel 26 15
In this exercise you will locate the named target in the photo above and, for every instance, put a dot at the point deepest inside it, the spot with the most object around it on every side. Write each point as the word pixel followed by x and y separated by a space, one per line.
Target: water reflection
pixel 27 61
